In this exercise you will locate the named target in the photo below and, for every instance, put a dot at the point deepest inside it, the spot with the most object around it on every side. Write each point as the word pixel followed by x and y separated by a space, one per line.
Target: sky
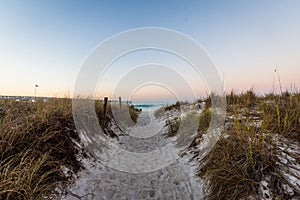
pixel 46 42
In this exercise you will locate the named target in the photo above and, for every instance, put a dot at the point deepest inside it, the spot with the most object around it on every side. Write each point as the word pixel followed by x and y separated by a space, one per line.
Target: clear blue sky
pixel 45 42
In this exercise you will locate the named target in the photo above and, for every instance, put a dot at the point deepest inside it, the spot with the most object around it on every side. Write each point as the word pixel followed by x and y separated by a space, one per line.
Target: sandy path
pixel 174 181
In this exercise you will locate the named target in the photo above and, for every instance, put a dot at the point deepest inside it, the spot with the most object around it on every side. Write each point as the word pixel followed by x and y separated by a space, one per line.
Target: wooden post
pixel 120 102
pixel 104 110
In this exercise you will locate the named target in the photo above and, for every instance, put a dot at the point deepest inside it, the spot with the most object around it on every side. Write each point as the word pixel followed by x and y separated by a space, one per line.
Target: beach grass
pixel 37 145
pixel 248 151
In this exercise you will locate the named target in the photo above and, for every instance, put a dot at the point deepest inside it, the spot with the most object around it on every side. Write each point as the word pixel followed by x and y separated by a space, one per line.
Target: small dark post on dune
pixel 120 102
pixel 35 86
pixel 104 110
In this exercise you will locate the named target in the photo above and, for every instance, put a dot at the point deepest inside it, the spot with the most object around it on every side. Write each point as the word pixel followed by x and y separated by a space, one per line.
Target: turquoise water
pixel 145 106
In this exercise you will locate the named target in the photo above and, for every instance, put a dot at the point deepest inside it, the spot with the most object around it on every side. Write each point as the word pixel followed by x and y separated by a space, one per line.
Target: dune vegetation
pixel 38 151
pixel 257 155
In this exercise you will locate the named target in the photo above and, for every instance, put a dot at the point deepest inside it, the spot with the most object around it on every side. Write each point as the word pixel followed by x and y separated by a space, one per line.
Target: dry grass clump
pixel 246 99
pixel 123 117
pixel 204 120
pixel 237 164
pixel 37 145
pixel 283 113
pixel 162 110
pixel 173 126
pixel 134 113
pixel 247 153
pixel 173 106
pixel 184 128
pixel 234 170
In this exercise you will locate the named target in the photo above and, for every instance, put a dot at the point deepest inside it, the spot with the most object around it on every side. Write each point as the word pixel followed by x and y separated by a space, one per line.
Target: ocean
pixel 148 106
